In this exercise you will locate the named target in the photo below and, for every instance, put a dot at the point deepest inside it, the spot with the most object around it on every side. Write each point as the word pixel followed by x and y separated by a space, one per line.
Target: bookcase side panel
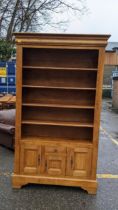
pixel 18 107
pixel 98 102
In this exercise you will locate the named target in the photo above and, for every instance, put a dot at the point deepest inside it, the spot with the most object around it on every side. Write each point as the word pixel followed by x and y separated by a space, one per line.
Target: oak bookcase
pixel 59 88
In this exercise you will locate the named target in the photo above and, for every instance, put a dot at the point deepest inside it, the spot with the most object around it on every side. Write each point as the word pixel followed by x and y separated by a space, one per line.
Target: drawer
pixel 55 149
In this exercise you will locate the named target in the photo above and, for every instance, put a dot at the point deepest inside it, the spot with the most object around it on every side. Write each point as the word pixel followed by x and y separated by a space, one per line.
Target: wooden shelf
pixel 52 87
pixel 57 106
pixel 59 68
pixel 58 123
pixel 58 140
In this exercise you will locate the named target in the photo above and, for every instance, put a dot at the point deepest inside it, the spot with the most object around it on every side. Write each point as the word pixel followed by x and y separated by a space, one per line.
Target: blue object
pixel 12 90
pixel 11 80
pixel 11 68
pixel 3 89
pixel 3 81
pixel 2 64
pixel 7 84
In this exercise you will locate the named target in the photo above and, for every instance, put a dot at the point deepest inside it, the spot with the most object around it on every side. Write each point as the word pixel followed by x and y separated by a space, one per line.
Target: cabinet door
pixel 55 161
pixel 79 162
pixel 30 159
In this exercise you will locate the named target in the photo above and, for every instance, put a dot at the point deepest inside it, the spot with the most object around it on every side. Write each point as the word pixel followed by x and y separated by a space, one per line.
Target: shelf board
pixel 58 106
pixel 58 123
pixel 50 140
pixel 57 87
pixel 59 68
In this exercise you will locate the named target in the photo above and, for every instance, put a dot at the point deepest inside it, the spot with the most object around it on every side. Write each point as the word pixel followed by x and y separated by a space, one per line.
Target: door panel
pixel 30 159
pixel 79 162
pixel 55 161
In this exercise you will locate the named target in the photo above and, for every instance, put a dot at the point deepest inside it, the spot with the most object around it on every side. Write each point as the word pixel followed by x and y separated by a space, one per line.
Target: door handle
pixel 72 162
pixel 46 164
pixel 39 159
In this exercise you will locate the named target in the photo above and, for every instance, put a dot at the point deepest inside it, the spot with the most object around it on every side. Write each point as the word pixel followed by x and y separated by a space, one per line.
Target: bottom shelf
pixel 55 140
pixel 84 134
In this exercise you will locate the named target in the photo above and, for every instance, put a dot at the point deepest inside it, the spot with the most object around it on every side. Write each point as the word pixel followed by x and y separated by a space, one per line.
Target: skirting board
pixel 89 185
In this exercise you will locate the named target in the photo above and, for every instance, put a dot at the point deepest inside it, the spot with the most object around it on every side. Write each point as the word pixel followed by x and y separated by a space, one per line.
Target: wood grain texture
pixel 89 185
pixel 98 104
pixel 59 87
pixel 18 108
pixel 62 40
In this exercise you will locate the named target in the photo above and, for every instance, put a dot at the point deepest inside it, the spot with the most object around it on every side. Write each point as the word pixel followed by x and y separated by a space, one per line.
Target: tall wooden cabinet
pixel 59 87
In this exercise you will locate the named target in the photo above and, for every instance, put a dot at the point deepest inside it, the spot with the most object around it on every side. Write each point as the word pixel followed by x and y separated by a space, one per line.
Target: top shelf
pixel 59 68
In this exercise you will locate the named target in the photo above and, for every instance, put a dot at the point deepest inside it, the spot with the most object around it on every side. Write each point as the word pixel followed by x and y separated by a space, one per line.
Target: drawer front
pixel 55 149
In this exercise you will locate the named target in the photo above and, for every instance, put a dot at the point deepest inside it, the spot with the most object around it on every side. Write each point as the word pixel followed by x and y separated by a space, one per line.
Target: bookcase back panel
pixel 56 96
pixel 60 57
pixel 61 78
pixel 50 131
pixel 58 114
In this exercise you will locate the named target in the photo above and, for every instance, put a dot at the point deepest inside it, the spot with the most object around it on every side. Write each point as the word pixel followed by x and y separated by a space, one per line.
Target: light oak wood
pixel 59 88
pixel 58 106
pixel 97 110
pixel 18 108
pixel 30 159
pixel 79 162
pixel 61 123
pixel 57 141
pixel 58 68
pixel 89 185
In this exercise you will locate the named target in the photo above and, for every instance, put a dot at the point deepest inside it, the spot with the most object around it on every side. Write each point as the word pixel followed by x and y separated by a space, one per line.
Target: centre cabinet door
pixel 55 160
pixel 79 162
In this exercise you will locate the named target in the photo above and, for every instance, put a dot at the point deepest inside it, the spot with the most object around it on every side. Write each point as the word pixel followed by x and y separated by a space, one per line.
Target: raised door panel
pixel 55 165
pixel 30 159
pixel 55 161
pixel 79 162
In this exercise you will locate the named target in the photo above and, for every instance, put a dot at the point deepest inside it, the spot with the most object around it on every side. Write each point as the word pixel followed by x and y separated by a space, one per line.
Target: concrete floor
pixel 43 197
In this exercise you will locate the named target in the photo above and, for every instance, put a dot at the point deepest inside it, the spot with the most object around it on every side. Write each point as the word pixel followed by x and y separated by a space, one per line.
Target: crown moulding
pixel 59 40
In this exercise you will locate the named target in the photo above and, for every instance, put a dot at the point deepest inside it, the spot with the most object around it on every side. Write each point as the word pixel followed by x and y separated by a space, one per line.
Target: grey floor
pixel 40 197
